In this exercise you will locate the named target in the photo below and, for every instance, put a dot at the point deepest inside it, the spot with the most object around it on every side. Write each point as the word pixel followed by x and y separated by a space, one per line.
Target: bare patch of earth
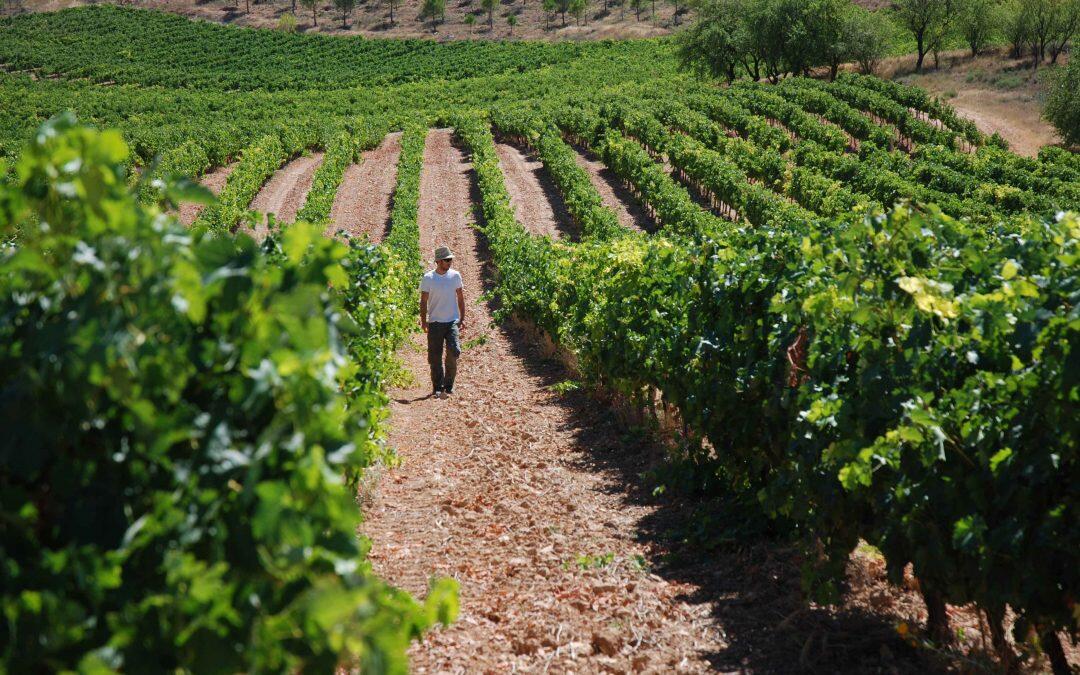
pixel 1016 118
pixel 284 194
pixel 213 181
pixel 362 204
pixel 614 194
pixel 536 201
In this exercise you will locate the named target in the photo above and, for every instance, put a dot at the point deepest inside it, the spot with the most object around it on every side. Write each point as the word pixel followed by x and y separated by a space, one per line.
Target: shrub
pixel 287 23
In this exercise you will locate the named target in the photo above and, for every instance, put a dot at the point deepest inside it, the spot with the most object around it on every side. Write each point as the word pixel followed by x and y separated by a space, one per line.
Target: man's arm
pixel 423 309
pixel 461 308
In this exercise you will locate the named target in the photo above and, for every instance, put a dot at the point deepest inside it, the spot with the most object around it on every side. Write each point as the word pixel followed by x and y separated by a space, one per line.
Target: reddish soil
pixel 362 204
pixel 497 491
pixel 615 195
pixel 284 194
pixel 213 181
pixel 537 202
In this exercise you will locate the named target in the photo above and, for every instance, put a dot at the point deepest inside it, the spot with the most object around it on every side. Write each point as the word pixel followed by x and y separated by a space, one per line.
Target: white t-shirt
pixel 442 295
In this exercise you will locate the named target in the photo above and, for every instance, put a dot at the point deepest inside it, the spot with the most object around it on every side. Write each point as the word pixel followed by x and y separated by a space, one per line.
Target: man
pixel 442 316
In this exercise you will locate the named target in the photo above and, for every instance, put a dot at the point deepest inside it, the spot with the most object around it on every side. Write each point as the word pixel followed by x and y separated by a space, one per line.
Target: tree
pixel 1049 25
pixel 511 21
pixel 470 21
pixel 768 29
pixel 562 7
pixel 1015 22
pixel 1063 102
pixel 928 21
pixel 869 36
pixel 674 3
pixel 822 40
pixel 391 3
pixel 489 7
pixel 1065 27
pixel 550 8
pixel 978 22
pixel 346 7
pixel 434 10
pixel 1040 22
pixel 579 10
pixel 637 6
pixel 714 45
pixel 774 36
pixel 314 5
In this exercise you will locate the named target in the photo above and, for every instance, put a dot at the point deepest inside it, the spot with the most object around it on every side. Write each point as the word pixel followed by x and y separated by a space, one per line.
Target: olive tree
pixel 869 37
pixel 978 21
pixel 779 37
pixel 929 22
pixel 715 44
pixel 1065 26
pixel 433 10
pixel 489 7
pixel 579 10
pixel 1015 26
pixel 346 7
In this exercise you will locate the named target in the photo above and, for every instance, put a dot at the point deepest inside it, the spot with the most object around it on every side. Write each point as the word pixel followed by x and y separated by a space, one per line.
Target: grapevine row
pixel 862 406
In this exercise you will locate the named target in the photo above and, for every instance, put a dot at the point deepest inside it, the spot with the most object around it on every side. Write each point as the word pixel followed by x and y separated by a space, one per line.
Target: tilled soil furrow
pixel 537 203
pixel 497 489
pixel 284 194
pixel 213 181
pixel 615 195
pixel 362 204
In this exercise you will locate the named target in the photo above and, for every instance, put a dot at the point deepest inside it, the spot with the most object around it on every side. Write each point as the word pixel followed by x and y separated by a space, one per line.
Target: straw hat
pixel 443 253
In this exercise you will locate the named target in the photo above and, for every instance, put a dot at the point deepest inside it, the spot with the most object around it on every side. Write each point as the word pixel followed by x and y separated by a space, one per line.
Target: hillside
pixel 371 18
pixel 764 377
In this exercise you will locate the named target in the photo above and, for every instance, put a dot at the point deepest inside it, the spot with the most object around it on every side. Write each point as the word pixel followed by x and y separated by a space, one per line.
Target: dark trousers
pixel 438 335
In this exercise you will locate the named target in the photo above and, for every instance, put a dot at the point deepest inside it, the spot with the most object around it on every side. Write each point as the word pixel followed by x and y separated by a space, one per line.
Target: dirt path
pixel 498 489
pixel 537 203
pixel 1017 119
pixel 285 192
pixel 615 195
pixel 362 204
pixel 213 181
pixel 997 92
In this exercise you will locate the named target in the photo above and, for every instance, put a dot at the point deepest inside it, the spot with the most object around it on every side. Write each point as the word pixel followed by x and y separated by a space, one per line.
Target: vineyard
pixel 836 309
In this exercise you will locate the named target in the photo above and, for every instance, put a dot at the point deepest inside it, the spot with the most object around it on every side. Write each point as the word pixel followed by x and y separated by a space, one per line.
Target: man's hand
pixel 423 324
pixel 461 326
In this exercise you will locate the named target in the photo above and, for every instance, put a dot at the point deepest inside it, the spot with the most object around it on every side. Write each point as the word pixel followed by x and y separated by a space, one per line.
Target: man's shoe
pixel 436 394
pixel 448 393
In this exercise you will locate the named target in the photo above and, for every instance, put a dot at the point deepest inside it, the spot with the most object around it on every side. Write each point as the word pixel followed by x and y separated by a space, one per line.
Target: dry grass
pixel 1000 94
